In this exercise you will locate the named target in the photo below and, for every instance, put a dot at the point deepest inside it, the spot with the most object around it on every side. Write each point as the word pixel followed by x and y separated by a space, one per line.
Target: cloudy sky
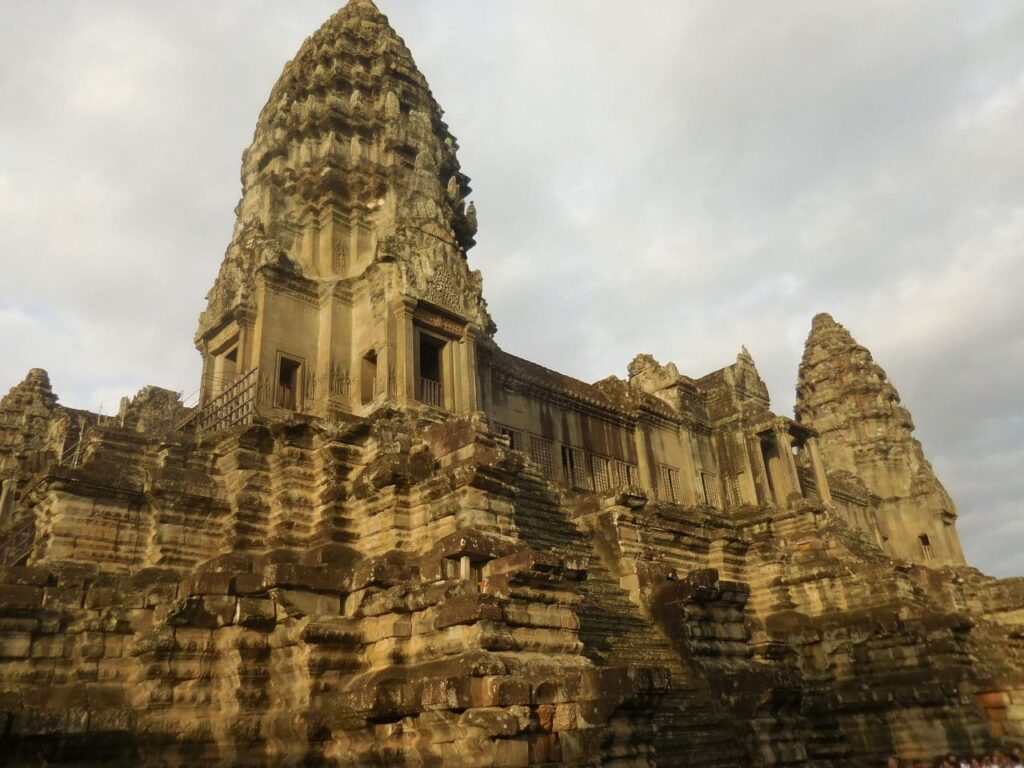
pixel 670 176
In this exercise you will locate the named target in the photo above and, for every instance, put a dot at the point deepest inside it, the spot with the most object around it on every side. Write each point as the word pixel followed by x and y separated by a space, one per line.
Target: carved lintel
pixel 441 322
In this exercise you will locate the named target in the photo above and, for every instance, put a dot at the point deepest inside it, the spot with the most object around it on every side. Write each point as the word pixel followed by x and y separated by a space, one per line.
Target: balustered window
pixel 574 468
pixel 541 451
pixel 625 474
pixel 515 437
pixel 926 546
pixel 668 486
pixel 602 472
pixel 430 387
pixel 709 484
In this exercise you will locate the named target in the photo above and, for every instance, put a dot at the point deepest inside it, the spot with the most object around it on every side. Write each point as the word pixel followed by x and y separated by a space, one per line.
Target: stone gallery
pixel 378 539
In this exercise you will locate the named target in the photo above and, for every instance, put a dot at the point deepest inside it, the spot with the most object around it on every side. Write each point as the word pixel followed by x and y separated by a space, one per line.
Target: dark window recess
pixel 926 546
pixel 288 383
pixel 574 468
pixel 515 437
pixel 368 378
pixel 431 391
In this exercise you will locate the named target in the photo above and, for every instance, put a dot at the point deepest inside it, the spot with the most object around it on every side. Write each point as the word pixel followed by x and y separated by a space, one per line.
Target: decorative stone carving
pixel 340 381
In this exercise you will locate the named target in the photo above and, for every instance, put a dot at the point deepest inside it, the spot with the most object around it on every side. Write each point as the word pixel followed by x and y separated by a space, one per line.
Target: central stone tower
pixel 345 286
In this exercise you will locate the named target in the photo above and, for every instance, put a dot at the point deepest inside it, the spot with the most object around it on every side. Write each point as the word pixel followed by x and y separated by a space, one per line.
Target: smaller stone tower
pixel 846 397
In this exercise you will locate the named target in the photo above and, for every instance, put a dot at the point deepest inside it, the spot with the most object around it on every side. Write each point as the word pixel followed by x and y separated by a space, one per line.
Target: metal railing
pixel 17 545
pixel 235 405
pixel 72 452
pixel 430 392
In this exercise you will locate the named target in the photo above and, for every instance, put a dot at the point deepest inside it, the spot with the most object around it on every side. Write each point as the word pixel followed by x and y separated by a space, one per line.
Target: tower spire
pixel 865 429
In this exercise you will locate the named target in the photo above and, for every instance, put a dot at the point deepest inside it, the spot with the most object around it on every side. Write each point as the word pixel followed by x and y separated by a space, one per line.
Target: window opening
pixel 625 474
pixel 769 454
pixel 288 383
pixel 669 484
pixel 462 568
pixel 926 546
pixel 431 390
pixel 602 473
pixel 230 365
pixel 574 468
pixel 541 452
pixel 225 367
pixel 733 490
pixel 368 377
pixel 515 437
pixel 709 483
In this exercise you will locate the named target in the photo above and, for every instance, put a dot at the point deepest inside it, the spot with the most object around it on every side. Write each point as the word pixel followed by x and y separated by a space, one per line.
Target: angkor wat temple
pixel 378 539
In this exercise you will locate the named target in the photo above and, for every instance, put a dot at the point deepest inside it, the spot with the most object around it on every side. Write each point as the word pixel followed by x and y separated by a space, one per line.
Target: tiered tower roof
pixel 352 165
pixel 865 429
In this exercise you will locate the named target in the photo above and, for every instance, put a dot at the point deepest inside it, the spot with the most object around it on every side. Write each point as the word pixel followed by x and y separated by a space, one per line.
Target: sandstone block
pixel 159 595
pixel 20 597
pixel 25 575
pixel 582 747
pixel 15 645
pixel 303 577
pixel 207 583
pixel 101 597
pixel 511 753
pixel 447 693
pixel 221 607
pixel 293 602
pixel 247 584
pixel 333 630
pixel 91 645
pixel 993 699
pixel 499 691
pixel 467 610
pixel 544 748
pixel 565 717
pixel 18 624
pixel 62 598
pixel 48 646
pixel 255 613
pixel 194 611
pixel 494 721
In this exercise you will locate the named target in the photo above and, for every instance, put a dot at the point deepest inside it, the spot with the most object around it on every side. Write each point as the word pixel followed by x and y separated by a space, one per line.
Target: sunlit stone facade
pixel 378 539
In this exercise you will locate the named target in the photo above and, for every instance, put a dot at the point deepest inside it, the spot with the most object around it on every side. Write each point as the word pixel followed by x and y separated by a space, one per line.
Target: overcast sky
pixel 669 176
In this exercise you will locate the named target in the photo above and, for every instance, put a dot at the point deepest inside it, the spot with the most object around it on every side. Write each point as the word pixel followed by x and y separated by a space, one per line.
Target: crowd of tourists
pixel 995 760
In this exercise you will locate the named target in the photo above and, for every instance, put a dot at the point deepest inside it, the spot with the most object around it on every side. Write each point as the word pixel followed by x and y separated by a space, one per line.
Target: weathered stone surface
pixel 381 540
pixel 865 431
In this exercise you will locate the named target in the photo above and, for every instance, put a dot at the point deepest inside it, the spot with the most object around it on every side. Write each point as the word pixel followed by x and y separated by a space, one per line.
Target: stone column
pixel 400 354
pixel 469 400
pixel 643 464
pixel 746 480
pixel 688 472
pixel 820 479
pixel 6 498
pixel 787 463
pixel 759 470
